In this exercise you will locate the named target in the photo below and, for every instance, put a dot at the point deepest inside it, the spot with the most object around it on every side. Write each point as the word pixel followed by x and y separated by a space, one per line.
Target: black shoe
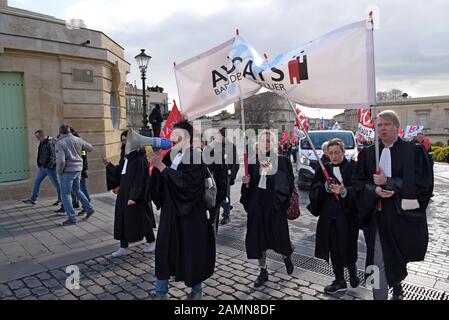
pixel 57 203
pixel 81 213
pixel 225 220
pixel 76 206
pixel 289 265
pixel 261 279
pixel 68 222
pixel 354 281
pixel 60 210
pixel 89 214
pixel 398 292
pixel 29 201
pixel 336 286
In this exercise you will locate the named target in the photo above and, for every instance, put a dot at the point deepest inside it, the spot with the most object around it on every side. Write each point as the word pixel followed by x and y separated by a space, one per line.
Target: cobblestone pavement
pixel 35 252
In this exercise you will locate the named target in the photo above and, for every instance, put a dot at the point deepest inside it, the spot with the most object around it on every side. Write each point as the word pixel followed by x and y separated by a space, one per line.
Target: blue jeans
pixel 41 174
pixel 70 181
pixel 226 205
pixel 83 187
pixel 162 288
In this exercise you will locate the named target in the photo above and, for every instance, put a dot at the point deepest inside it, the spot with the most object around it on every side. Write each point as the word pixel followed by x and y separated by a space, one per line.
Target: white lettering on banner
pixel 365 131
pixel 339 64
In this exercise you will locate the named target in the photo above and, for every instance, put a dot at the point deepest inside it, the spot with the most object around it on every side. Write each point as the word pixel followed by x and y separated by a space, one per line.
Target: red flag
pixel 284 139
pixel 365 118
pixel 292 138
pixel 174 117
pixel 304 123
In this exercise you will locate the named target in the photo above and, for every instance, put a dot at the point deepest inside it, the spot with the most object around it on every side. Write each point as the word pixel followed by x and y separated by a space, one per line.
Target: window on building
pixel 115 112
pixel 133 104
pixel 423 119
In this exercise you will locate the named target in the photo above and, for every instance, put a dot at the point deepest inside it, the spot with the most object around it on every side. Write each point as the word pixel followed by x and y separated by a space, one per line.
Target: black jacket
pixel 156 117
pixel 225 169
pixel 46 155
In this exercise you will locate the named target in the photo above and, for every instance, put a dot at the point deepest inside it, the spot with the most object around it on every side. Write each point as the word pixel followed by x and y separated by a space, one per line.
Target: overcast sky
pixel 411 46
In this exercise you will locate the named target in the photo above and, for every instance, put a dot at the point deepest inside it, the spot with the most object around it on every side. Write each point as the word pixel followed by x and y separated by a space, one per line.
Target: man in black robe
pixel 266 194
pixel 185 246
pixel 392 205
pixel 337 230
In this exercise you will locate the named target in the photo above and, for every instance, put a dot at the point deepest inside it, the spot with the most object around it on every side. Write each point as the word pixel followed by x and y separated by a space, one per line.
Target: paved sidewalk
pixel 35 252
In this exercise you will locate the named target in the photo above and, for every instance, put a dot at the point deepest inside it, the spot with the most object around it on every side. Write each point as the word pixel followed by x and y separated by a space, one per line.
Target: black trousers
pixel 337 257
pixel 148 237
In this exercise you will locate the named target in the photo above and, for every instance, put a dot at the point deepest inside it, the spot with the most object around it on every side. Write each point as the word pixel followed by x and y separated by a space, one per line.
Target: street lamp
pixel 142 61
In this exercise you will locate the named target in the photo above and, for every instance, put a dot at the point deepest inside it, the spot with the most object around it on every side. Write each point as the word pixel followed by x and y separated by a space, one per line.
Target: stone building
pixel 267 110
pixel 134 109
pixel 430 112
pixel 53 73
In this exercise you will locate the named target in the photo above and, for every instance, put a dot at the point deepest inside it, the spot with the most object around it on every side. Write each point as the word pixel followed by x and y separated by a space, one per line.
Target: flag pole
pixel 242 116
pixel 374 110
pixel 323 168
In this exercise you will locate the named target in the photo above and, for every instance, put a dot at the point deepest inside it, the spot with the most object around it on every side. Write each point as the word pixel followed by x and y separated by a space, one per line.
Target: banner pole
pixel 242 116
pixel 374 110
pixel 323 168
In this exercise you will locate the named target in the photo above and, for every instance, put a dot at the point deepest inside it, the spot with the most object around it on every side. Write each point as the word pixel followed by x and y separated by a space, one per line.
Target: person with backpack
pixel 337 229
pixel 266 194
pixel 185 245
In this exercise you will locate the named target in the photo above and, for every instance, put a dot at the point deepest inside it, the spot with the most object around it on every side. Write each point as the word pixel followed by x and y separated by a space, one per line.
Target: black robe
pixel 185 245
pixel 267 225
pixel 113 172
pixel 403 234
pixel 325 206
pixel 132 223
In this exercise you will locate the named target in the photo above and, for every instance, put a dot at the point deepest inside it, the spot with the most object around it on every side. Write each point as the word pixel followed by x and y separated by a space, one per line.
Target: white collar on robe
pixel 263 180
pixel 385 165
pixel 337 174
pixel 125 165
pixel 176 161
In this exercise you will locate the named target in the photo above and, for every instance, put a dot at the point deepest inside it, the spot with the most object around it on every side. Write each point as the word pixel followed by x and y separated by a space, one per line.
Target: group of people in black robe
pixel 388 205
pixel 185 244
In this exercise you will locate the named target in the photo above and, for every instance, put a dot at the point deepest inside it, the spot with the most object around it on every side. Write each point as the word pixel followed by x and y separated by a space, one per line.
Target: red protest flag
pixel 284 138
pixel 302 123
pixel 174 117
pixel 292 138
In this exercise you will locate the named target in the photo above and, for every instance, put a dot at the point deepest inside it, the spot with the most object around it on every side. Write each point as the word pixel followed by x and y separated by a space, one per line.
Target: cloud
pixel 412 51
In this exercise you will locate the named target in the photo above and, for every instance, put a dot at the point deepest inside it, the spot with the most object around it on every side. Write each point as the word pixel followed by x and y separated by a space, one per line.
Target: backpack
pixel 293 211
pixel 210 192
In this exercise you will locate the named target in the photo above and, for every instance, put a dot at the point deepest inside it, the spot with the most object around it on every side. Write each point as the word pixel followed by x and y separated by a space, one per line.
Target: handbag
pixel 293 211
pixel 210 192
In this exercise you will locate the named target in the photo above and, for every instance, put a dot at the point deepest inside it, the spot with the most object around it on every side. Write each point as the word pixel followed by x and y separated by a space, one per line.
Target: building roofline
pixel 42 17
pixel 419 100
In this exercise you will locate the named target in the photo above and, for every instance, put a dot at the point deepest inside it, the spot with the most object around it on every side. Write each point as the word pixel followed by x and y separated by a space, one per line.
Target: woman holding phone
pixel 337 229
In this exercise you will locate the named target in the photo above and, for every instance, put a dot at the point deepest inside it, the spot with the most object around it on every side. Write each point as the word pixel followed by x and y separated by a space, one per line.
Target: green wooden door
pixel 13 130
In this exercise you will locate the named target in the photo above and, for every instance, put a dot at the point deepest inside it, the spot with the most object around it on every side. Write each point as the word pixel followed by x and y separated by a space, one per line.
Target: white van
pixel 307 161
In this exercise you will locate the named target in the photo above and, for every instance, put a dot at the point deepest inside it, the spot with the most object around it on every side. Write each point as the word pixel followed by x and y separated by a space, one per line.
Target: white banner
pixel 366 132
pixel 333 71
pixel 209 82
